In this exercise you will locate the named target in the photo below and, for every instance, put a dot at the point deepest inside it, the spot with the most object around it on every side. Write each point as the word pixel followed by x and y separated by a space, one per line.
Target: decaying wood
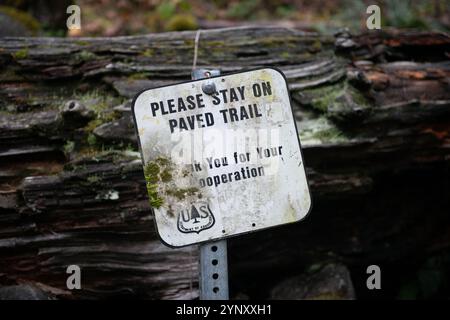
pixel 373 112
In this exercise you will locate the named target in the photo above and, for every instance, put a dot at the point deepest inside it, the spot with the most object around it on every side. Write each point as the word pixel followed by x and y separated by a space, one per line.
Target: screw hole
pixel 216 289
pixel 214 248
pixel 253 224
pixel 223 231
pixel 215 276
pixel 72 105
pixel 214 262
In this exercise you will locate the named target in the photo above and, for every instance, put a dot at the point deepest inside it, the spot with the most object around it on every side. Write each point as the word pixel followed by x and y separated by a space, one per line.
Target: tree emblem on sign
pixel 197 218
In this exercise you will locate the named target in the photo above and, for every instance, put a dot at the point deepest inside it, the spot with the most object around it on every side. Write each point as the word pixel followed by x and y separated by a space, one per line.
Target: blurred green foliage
pixel 166 9
pixel 243 9
pixel 24 18
pixel 180 22
pixel 109 17
pixel 404 14
pixel 174 15
pixel 429 281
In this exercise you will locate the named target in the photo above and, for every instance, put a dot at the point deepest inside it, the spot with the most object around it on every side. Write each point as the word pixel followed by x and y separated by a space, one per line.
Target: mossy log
pixel 373 112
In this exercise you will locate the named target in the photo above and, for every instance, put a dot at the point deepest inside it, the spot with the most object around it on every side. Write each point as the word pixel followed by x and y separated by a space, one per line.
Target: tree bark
pixel 373 114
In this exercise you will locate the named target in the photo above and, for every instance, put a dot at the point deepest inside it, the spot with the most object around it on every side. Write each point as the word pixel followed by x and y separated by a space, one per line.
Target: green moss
pixel 162 161
pixel 314 267
pixel 93 179
pixel 277 41
pixel 148 53
pixel 92 125
pixel 166 175
pixel 328 134
pixel 139 76
pixel 316 46
pixel 20 54
pixel 91 139
pixel 131 148
pixel 285 55
pixel 181 193
pixel 85 56
pixel 321 130
pixel 82 43
pixel 358 97
pixel 322 98
pixel 94 100
pixel 151 172
pixel 337 97
pixel 155 200
pixel 323 102
pixel 109 115
pixel 69 147
pixel 158 174
pixel 101 105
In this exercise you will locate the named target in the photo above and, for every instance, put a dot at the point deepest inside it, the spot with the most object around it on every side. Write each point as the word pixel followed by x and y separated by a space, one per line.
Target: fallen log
pixel 373 111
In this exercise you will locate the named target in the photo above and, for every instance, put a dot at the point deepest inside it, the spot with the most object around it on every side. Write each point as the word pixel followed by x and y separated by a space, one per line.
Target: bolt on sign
pixel 221 156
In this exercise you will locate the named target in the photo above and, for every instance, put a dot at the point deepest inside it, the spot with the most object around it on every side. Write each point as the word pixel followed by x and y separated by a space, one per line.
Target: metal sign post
pixel 213 275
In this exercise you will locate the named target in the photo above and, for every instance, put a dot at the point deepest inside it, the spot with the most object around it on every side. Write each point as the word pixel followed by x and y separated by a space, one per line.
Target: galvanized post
pixel 213 279
pixel 213 275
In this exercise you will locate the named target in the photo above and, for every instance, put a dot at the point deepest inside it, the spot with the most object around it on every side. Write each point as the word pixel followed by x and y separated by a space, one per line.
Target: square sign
pixel 221 156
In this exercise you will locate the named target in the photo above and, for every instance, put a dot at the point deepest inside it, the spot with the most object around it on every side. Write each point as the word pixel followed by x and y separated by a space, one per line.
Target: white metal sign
pixel 221 156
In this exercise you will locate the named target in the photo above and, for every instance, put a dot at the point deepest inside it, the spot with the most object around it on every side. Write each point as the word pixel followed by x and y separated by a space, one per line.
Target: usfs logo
pixel 198 218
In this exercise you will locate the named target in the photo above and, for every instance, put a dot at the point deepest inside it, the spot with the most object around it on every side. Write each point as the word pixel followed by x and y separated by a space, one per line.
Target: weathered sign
pixel 221 156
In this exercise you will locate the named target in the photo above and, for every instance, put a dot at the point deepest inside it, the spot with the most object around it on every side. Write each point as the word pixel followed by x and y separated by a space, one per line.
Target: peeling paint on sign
pixel 221 164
